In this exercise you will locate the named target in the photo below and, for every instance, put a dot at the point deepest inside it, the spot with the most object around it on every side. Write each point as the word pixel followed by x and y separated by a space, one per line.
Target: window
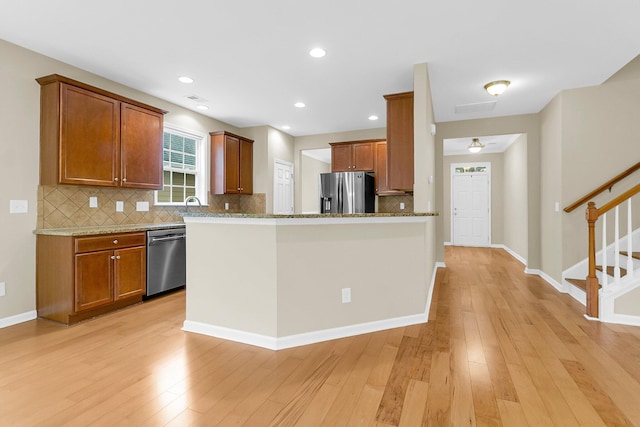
pixel 183 157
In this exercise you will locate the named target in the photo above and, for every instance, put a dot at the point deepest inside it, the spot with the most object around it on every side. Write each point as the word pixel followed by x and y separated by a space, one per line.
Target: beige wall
pixel 423 141
pixel 497 192
pixel 322 141
pixel 310 168
pixel 281 147
pixel 19 121
pixel 515 216
pixel 527 124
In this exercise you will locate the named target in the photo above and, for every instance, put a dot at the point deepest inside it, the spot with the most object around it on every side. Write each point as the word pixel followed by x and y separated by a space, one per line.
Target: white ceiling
pixel 321 154
pixel 249 57
pixel 492 144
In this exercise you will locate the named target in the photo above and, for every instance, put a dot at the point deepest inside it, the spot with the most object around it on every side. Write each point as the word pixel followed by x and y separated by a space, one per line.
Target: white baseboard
pixel 623 319
pixel 448 244
pixel 18 318
pixel 512 253
pixel 281 343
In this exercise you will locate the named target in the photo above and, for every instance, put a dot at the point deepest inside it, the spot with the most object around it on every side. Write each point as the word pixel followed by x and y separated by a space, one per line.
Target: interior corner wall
pixel 516 216
pixel 497 193
pixel 528 124
pixel 311 142
pixel 19 178
pixel 260 137
pixel 600 127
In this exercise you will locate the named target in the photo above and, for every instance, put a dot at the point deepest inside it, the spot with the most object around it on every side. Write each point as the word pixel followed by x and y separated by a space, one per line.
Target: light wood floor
pixel 501 348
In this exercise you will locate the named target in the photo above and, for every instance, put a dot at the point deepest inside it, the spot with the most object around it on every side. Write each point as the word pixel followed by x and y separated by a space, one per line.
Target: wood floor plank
pixel 501 348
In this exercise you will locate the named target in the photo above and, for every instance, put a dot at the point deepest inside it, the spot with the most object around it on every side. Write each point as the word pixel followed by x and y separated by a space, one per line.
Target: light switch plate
pixel 142 206
pixel 18 206
pixel 93 202
pixel 557 207
pixel 119 206
pixel 346 295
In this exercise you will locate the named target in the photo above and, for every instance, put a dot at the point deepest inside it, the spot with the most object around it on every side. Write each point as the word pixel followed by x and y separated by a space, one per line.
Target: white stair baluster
pixel 629 240
pixel 616 250
pixel 605 276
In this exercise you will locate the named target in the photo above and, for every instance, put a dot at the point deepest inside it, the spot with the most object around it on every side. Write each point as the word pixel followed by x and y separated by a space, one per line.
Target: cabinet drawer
pixel 110 241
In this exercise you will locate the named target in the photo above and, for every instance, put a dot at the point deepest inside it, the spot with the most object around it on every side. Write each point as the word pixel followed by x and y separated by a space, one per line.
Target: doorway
pixel 283 188
pixel 471 204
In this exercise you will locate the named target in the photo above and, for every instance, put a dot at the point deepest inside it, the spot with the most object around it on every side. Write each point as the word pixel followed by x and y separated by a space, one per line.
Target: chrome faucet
pixel 186 202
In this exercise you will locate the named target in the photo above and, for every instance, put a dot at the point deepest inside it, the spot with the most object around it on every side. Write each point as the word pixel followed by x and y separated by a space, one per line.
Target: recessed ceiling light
pixel 317 52
pixel 299 104
pixel 202 107
pixel 185 79
pixel 373 117
pixel 286 127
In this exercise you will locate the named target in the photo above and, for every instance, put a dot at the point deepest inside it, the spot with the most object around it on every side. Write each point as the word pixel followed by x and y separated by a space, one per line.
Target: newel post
pixel 593 286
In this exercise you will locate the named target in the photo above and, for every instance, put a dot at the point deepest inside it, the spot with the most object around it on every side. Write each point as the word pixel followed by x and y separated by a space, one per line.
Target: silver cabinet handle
pixel 117 179
pixel 113 257
pixel 117 256
pixel 124 179
pixel 115 242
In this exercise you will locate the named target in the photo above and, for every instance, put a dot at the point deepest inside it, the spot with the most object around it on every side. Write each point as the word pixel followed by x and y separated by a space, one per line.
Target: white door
pixel 470 211
pixel 283 188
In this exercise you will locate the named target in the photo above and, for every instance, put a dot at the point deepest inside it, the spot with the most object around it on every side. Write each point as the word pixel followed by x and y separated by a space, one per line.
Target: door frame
pixel 452 195
pixel 275 182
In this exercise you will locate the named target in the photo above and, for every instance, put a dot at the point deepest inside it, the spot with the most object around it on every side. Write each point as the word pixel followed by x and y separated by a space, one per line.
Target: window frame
pixel 202 171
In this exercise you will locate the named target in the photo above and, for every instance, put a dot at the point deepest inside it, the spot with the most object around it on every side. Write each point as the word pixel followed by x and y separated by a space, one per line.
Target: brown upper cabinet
pixel 89 136
pixel 382 188
pixel 353 156
pixel 231 164
pixel 400 141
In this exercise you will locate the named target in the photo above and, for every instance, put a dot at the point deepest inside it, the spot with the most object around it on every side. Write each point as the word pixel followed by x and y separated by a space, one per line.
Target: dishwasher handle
pixel 166 239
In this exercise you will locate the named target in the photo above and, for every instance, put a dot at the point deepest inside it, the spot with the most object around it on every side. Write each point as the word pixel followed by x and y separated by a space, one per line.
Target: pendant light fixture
pixel 475 146
pixel 496 88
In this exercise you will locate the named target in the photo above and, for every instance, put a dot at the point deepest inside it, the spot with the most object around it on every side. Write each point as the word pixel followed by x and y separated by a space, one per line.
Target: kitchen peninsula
pixel 280 281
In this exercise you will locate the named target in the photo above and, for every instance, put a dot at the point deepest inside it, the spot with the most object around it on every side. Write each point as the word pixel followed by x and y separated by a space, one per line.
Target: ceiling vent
pixel 196 98
pixel 475 108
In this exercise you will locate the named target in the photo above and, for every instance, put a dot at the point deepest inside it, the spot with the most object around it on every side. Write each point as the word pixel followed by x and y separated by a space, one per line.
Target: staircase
pixel 608 281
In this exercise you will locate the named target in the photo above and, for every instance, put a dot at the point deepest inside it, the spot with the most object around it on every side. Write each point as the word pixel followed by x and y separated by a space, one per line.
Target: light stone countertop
pixel 106 229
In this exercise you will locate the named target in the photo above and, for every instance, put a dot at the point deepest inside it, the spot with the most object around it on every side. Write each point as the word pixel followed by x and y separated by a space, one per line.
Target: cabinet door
pixel 130 272
pixel 232 165
pixel 93 279
pixel 141 148
pixel 381 167
pixel 246 167
pixel 400 141
pixel 89 137
pixel 363 157
pixel 341 158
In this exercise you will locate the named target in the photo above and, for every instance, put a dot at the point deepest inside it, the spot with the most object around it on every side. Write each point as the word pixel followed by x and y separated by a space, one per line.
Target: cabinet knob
pixel 115 242
pixel 117 179
pixel 117 256
pixel 113 257
pixel 124 179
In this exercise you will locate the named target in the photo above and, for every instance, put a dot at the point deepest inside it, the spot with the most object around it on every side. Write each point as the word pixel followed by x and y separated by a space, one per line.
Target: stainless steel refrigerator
pixel 347 192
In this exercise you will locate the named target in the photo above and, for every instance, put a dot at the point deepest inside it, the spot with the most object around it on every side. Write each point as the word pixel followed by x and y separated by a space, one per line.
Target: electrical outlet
pixel 93 202
pixel 401 206
pixel 346 295
pixel 557 207
pixel 226 206
pixel 119 206
pixel 142 206
pixel 3 289
pixel 18 206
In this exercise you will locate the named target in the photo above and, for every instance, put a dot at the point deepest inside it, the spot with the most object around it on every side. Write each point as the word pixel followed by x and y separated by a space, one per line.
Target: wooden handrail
pixel 621 198
pixel 605 186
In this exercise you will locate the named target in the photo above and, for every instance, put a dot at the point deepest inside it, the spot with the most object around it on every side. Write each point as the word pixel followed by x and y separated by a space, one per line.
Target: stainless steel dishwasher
pixel 166 260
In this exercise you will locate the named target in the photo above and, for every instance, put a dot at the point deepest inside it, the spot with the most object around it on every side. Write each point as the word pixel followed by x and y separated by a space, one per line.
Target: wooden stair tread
pixel 623 271
pixel 634 254
pixel 578 283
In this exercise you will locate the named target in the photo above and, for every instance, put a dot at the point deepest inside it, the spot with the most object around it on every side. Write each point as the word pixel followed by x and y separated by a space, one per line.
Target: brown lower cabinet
pixel 82 277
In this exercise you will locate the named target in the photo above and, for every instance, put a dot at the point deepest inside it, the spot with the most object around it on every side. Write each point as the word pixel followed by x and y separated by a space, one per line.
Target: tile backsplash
pixel 391 204
pixel 62 206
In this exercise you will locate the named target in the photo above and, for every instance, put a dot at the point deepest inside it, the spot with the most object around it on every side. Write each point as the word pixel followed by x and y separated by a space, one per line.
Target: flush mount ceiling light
pixel 286 127
pixel 317 52
pixel 475 145
pixel 185 79
pixel 373 117
pixel 299 104
pixel 202 107
pixel 497 87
